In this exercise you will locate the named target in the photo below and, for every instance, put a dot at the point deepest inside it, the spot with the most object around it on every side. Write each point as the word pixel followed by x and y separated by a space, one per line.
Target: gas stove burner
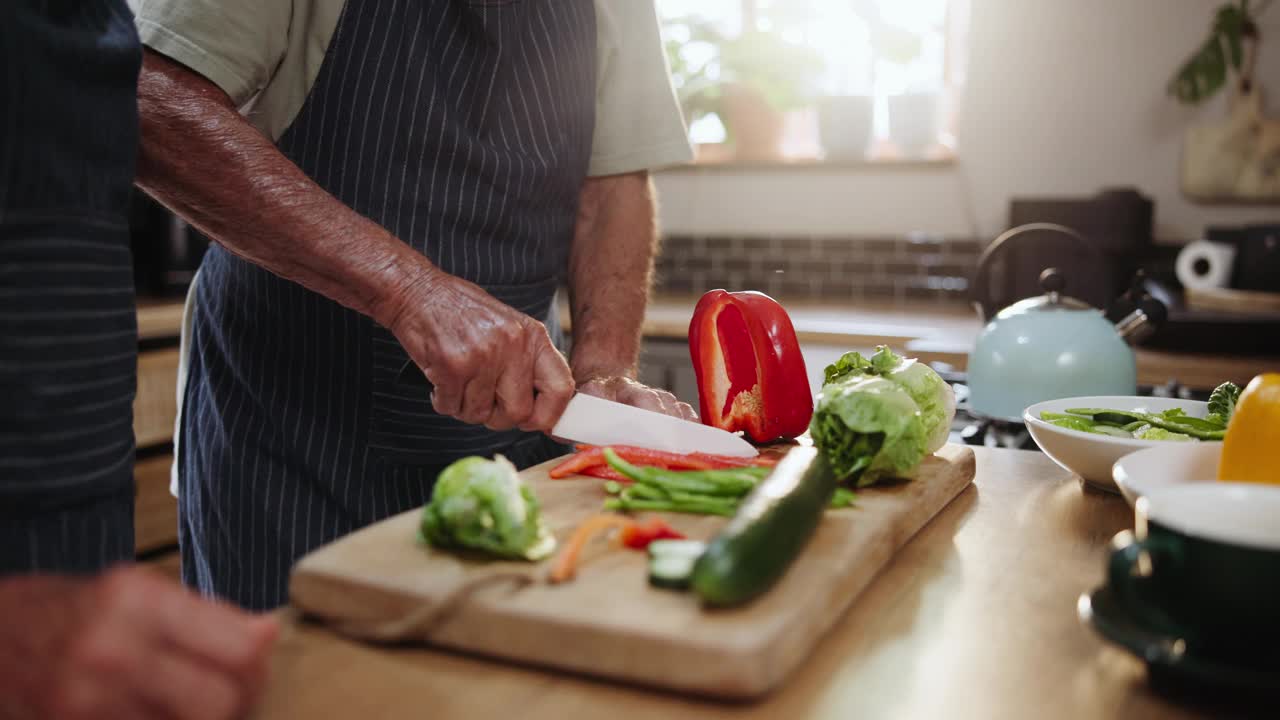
pixel 998 434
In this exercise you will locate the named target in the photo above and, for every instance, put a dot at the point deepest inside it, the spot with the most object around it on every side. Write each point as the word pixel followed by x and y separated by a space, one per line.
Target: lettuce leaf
pixel 869 428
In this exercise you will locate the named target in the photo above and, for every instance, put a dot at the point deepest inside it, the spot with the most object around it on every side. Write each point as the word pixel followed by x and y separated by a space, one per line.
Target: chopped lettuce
pixel 1148 432
pixel 878 417
pixel 483 504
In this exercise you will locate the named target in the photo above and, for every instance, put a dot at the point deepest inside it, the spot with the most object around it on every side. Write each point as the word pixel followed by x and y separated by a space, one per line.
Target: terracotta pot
pixel 754 126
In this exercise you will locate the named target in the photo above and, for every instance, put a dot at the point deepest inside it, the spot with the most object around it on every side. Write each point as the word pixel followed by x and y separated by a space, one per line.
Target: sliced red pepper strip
pixel 728 461
pixel 751 375
pixel 604 472
pixel 577 463
pixel 639 536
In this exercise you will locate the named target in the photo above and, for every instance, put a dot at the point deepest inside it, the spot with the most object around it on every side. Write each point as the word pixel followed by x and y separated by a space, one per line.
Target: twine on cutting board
pixel 420 622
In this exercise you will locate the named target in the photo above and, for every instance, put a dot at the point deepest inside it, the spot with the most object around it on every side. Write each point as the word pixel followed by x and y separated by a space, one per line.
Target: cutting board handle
pixel 423 620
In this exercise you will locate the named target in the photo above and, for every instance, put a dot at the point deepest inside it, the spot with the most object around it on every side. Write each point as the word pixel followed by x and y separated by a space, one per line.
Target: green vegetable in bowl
pixel 1172 424
pixel 1147 432
pixel 484 505
pixel 1222 402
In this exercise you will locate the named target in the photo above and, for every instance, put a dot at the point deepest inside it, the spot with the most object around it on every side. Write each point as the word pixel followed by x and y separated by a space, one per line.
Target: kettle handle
pixel 981 284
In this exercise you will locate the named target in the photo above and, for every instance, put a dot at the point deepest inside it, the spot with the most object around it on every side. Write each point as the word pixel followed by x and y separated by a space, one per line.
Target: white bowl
pixel 1090 455
pixel 1146 471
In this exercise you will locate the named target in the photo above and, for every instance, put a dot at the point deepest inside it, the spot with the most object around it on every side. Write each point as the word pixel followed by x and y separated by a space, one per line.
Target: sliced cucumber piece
pixel 671 562
pixel 1112 431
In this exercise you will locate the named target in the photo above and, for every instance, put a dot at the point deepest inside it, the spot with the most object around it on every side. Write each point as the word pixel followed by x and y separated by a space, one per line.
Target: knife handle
pixel 411 376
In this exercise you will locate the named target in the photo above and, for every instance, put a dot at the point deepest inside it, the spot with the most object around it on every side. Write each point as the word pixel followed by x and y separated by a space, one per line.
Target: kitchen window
pixel 792 82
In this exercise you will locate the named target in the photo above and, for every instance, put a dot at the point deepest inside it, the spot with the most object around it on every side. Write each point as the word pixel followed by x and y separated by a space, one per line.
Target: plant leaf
pixel 1205 72
pixel 1229 26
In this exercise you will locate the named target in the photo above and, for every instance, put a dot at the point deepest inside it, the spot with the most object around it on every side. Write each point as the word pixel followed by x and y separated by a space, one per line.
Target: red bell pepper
pixel 638 536
pixel 751 375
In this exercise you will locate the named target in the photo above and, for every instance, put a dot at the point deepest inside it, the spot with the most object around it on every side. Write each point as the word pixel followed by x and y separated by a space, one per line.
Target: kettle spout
pixel 1140 324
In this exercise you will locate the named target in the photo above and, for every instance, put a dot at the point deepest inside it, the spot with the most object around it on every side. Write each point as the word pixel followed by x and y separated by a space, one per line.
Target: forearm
pixel 203 160
pixel 610 271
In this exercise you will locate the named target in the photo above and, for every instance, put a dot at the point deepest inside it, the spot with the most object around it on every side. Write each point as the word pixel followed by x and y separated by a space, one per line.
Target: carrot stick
pixel 566 564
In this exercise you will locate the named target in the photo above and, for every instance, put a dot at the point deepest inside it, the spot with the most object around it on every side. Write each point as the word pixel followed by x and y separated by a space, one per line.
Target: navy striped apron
pixel 464 128
pixel 68 335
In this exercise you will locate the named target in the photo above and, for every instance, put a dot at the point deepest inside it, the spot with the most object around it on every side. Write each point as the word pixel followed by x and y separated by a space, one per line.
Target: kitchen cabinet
pixel 155 406
pixel 155 514
pixel 665 363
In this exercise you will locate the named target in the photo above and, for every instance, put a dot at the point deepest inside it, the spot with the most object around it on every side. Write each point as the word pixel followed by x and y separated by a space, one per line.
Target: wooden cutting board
pixel 380 583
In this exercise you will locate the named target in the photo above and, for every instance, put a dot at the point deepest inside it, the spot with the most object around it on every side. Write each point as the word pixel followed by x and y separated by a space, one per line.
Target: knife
pixel 589 420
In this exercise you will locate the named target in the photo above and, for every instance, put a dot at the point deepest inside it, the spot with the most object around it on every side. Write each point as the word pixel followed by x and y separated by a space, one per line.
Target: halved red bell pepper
pixel 751 375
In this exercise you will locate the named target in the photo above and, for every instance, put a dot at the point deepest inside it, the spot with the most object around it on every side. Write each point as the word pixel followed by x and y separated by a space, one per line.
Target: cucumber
pixel 671 562
pixel 770 528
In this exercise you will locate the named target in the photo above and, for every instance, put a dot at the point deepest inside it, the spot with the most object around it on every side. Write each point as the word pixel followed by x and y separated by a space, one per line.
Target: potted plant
pixel 1232 160
pixel 748 80
pixel 845 121
pixel 1230 47
pixel 913 116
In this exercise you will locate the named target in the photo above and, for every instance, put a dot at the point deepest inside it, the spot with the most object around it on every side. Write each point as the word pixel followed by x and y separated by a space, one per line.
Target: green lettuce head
pixel 869 428
pixel 935 398
pixel 879 416
pixel 483 504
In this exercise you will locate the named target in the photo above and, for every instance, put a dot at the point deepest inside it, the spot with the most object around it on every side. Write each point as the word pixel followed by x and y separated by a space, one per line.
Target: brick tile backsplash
pixel 909 268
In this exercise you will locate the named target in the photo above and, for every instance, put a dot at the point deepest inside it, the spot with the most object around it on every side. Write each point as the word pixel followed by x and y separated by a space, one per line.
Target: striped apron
pixel 462 126
pixel 68 335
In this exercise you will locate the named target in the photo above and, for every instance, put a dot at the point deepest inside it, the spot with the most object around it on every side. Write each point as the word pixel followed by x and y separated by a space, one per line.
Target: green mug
pixel 1203 567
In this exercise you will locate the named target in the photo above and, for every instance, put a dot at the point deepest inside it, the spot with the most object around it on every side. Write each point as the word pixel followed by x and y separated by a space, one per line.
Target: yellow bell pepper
pixel 1251 450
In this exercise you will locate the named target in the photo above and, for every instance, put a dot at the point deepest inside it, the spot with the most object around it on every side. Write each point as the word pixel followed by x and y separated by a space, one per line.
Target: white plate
pixel 1090 455
pixel 1145 471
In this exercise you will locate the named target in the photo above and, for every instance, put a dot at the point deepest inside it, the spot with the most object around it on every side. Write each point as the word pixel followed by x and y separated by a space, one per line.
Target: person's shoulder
pixel 236 44
pixel 625 21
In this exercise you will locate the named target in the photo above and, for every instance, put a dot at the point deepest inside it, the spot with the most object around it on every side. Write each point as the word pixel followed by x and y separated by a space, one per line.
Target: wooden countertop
pixel 942 333
pixel 974 618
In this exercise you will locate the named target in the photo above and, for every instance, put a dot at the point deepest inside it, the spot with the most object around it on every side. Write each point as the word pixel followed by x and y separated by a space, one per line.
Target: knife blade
pixel 589 420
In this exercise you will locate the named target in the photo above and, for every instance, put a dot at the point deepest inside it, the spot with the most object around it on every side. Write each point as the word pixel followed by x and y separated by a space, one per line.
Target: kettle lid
pixel 1052 281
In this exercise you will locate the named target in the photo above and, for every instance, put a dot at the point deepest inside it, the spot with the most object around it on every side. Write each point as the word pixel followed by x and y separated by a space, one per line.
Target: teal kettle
pixel 1049 347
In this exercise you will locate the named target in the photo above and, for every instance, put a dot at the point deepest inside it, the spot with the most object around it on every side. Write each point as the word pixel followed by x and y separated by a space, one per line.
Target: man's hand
pixel 623 389
pixel 127 644
pixel 490 364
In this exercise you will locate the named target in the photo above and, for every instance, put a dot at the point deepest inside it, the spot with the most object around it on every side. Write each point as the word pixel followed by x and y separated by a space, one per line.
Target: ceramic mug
pixel 1203 565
